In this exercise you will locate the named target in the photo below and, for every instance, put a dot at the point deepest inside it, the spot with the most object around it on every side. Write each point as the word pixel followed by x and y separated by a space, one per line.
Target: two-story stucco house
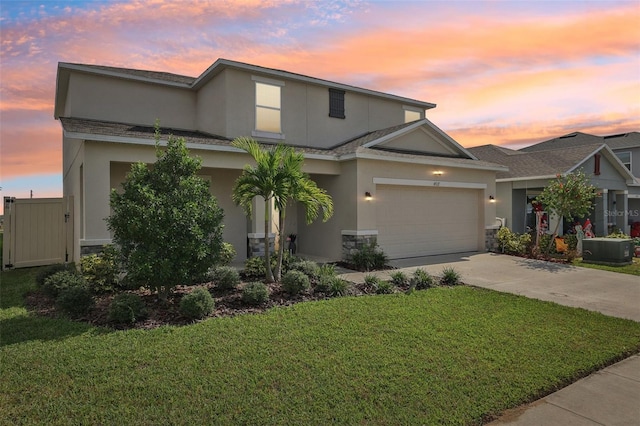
pixel 610 162
pixel 394 176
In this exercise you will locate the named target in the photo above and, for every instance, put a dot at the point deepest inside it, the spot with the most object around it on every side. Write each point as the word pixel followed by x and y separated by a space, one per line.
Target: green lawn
pixel 441 356
pixel 633 269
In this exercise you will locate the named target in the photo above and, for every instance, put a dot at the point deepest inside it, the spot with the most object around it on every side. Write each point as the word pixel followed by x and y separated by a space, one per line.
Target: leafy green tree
pixel 278 176
pixel 568 196
pixel 167 225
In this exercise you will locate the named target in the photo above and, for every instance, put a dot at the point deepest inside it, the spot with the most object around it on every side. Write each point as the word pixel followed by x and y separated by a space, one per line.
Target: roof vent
pixel 572 135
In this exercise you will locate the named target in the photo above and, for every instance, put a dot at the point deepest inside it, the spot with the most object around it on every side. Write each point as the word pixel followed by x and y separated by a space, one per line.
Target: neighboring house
pixel 607 162
pixel 428 195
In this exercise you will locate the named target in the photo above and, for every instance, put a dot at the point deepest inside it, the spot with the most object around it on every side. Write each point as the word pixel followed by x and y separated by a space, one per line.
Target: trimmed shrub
pixel 326 273
pixel 514 243
pixel 62 280
pixel 288 260
pixel 323 284
pixel 101 270
pixel 421 279
pixel 571 240
pixel 372 281
pixel 295 282
pixel 75 301
pixel 52 269
pixel 254 267
pixel 338 287
pixel 385 287
pixel 127 308
pixel 327 270
pixel 369 258
pixel 399 279
pixel 197 304
pixel 307 267
pixel 226 277
pixel 255 293
pixel 543 244
pixel 450 276
pixel 227 254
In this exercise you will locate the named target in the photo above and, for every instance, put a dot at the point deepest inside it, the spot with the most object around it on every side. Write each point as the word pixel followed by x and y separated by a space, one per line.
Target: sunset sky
pixel 501 72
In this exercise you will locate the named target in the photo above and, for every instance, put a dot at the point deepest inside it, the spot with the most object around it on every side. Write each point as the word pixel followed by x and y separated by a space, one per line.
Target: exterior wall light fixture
pixel 437 173
pixel 492 199
pixel 367 196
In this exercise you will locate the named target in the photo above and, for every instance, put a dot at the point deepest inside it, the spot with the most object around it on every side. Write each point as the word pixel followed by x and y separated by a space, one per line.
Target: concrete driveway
pixel 610 293
pixel 608 397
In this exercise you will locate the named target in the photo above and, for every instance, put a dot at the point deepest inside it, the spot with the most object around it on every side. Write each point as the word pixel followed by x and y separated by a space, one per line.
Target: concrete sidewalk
pixel 608 397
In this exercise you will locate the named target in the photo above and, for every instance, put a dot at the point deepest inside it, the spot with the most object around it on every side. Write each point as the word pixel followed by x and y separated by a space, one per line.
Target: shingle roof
pixel 351 145
pixel 537 163
pixel 153 75
pixel 566 141
pixel 106 130
pixel 623 140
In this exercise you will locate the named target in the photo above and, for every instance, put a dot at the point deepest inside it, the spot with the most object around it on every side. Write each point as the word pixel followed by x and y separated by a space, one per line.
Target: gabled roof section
pixel 546 164
pixel 432 141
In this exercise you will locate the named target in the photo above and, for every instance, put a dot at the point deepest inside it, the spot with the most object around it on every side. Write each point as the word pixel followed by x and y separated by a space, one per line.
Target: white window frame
pixel 262 133
pixel 627 165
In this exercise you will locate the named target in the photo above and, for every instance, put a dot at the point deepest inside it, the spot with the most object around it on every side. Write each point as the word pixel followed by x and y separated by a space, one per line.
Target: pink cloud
pixel 32 148
pixel 495 77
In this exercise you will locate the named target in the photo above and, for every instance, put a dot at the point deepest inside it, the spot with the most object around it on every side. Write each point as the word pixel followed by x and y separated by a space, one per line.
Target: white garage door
pixel 419 221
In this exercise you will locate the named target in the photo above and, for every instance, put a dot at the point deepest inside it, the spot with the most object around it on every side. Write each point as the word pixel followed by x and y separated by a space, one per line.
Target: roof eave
pixel 523 178
pixel 109 73
pixel 95 137
pixel 435 161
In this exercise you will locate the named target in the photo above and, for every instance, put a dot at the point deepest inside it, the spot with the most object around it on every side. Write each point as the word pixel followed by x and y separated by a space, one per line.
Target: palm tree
pixel 277 176
pixel 260 180
pixel 299 188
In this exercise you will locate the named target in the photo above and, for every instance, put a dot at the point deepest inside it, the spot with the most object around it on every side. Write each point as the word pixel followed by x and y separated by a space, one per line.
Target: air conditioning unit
pixel 608 251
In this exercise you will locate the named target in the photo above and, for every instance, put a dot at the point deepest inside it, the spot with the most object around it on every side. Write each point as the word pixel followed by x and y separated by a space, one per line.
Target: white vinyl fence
pixel 37 231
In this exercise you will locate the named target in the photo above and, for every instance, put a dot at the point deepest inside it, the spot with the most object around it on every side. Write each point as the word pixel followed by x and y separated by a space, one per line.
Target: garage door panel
pixel 420 221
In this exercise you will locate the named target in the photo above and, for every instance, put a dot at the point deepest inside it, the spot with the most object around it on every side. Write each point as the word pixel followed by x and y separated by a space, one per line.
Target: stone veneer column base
pixel 255 244
pixel 88 247
pixel 352 241
pixel 491 238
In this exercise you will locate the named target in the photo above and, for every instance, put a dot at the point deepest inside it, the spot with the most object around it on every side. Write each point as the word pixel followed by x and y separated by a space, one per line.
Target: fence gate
pixel 37 231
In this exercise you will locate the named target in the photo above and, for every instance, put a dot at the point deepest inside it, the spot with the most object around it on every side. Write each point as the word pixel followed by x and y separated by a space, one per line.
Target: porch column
pixel 96 187
pixel 255 236
pixel 624 226
pixel 602 228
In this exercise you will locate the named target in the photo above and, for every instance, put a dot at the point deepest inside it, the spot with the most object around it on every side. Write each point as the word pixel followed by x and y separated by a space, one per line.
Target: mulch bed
pixel 228 303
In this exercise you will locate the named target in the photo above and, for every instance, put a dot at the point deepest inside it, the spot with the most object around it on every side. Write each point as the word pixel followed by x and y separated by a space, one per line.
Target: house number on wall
pixel 436 183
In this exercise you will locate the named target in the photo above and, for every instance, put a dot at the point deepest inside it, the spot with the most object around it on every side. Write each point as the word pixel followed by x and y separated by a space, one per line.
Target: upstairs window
pixel 625 158
pixel 411 115
pixel 336 103
pixel 268 107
